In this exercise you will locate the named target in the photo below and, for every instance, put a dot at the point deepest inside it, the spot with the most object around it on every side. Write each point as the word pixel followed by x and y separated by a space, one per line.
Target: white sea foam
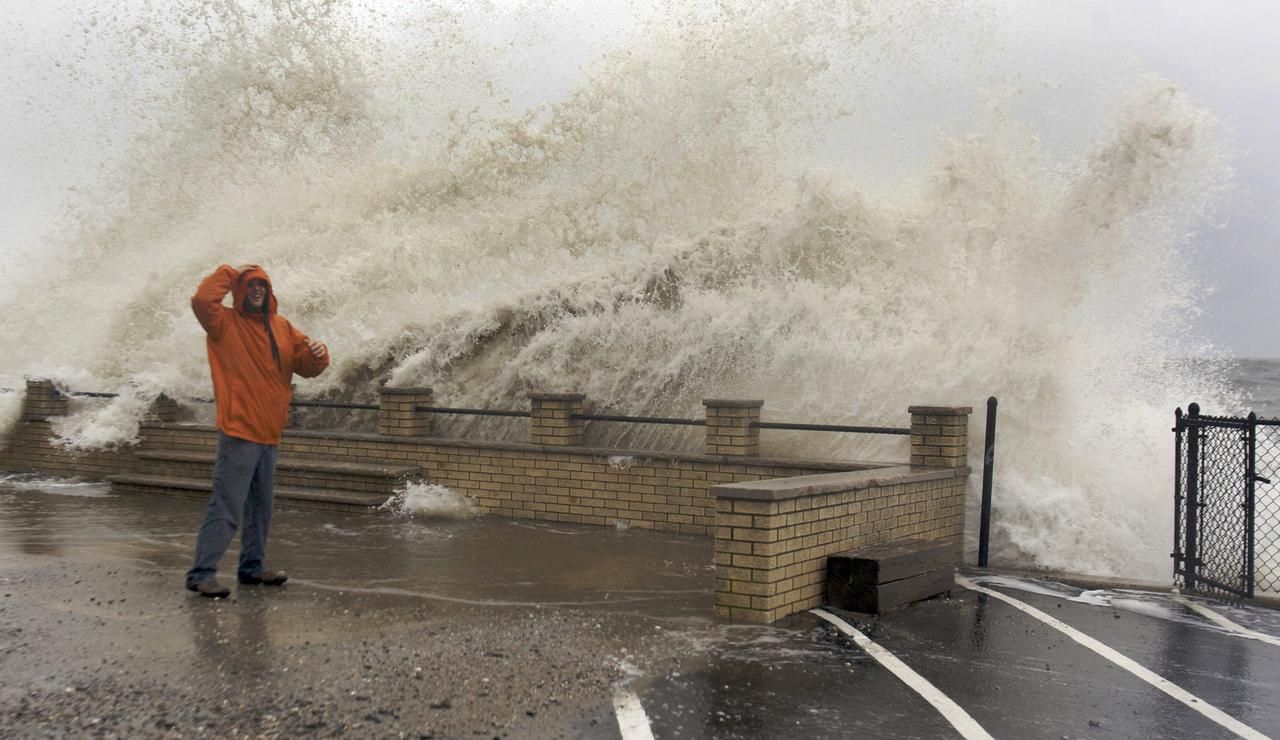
pixel 57 486
pixel 102 425
pixel 673 226
pixel 430 500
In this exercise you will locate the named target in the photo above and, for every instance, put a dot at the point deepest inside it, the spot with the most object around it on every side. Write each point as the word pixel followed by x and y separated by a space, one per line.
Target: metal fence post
pixel 1192 556
pixel 1179 503
pixel 988 469
pixel 1251 479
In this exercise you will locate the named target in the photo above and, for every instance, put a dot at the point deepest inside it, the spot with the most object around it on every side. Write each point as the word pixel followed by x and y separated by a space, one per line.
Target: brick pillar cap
pixel 557 396
pixel 38 382
pixel 940 410
pixel 386 389
pixel 737 403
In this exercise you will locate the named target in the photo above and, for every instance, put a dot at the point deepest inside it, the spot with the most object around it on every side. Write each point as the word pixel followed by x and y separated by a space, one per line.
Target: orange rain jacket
pixel 251 385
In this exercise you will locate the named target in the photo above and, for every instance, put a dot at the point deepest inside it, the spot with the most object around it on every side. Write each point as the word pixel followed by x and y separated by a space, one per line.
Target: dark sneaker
pixel 265 578
pixel 210 588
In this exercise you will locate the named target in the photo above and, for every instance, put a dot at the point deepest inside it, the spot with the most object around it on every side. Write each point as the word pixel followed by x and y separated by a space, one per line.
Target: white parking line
pixel 1225 623
pixel 1168 687
pixel 967 726
pixel 633 723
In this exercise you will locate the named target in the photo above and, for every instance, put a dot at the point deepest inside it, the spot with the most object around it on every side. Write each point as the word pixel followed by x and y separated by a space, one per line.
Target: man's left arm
pixel 310 358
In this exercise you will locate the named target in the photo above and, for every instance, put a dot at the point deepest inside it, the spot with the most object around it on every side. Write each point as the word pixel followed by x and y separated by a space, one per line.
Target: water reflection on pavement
pixel 393 625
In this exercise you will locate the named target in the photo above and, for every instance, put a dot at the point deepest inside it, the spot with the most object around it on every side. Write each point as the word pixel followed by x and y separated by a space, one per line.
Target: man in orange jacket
pixel 253 355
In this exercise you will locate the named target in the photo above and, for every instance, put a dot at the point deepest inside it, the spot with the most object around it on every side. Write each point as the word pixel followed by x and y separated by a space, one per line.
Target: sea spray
pixel 668 229
pixel 429 501
pixel 113 425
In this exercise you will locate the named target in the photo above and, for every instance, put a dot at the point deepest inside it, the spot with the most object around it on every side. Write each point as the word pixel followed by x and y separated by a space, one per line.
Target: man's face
pixel 256 294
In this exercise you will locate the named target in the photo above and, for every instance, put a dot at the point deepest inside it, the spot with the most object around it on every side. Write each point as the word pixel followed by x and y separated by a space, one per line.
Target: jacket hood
pixel 240 290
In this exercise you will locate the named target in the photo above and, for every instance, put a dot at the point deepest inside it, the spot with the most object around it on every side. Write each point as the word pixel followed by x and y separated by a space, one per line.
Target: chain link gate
pixel 1267 480
pixel 1226 509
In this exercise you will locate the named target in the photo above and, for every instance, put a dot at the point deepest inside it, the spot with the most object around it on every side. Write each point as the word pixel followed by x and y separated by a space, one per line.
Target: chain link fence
pixel 1267 507
pixel 1222 513
pixel 1224 547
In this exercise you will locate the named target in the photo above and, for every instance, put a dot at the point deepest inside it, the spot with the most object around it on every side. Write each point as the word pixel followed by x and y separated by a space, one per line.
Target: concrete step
pixel 294 497
pixel 377 478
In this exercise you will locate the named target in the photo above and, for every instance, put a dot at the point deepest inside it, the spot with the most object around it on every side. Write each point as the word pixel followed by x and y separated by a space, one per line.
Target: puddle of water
pixel 1162 606
pixel 415 555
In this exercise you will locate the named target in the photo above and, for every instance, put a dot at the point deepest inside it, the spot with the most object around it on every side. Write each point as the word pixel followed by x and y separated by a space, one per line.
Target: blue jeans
pixel 243 478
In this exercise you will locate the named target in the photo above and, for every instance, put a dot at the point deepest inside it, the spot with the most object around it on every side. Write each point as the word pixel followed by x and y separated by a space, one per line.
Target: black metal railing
pixel 640 419
pixel 333 405
pixel 473 412
pixel 831 428
pixel 792 426
pixel 350 406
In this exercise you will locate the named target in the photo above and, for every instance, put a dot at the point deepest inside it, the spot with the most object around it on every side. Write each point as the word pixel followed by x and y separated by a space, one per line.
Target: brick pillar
pixel 550 422
pixel 753 576
pixel 43 400
pixel 291 419
pixel 940 435
pixel 729 430
pixel 397 415
pixel 164 410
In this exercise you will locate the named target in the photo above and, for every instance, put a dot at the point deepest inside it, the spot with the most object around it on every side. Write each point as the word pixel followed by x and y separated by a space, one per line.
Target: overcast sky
pixel 1226 54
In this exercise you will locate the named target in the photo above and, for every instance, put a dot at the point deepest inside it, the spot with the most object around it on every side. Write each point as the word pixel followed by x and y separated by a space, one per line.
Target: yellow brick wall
pixel 30 449
pixel 771 556
pixel 647 490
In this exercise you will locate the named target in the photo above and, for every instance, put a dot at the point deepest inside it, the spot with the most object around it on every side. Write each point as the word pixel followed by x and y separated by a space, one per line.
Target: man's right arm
pixel 207 302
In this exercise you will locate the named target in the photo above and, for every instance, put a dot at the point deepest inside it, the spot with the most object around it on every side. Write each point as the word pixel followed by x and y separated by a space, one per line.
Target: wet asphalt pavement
pixel 394 626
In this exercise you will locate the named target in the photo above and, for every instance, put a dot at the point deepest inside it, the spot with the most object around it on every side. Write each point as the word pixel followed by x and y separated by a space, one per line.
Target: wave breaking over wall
pixel 673 225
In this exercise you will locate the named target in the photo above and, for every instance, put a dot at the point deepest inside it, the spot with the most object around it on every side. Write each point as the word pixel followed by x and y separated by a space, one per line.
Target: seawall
pixel 774 520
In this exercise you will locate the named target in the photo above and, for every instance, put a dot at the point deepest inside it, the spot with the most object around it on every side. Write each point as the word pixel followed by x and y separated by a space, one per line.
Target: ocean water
pixel 1258 381
pixel 842 209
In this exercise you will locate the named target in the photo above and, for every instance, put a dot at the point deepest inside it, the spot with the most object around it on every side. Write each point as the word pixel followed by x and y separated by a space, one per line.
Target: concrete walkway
pixel 395 626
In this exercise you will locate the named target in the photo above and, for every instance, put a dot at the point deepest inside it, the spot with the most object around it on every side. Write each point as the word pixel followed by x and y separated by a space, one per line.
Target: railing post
pixel 729 427
pixel 398 414
pixel 1192 556
pixel 551 419
pixel 43 400
pixel 1179 503
pixel 988 469
pixel 940 435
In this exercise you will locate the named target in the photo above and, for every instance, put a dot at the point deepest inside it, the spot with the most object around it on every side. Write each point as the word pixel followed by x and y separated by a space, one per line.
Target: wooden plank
pixel 881 597
pixel 892 562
